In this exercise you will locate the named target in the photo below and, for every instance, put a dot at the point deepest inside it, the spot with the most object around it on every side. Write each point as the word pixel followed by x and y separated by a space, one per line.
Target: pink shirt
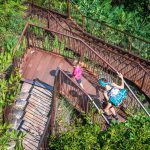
pixel 77 72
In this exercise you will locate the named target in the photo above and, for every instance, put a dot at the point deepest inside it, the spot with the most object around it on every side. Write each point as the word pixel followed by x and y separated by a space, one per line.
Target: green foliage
pixel 133 134
pixel 55 44
pixel 66 115
pixel 141 6
pixel 49 43
pixel 9 88
pixel 54 4
pixel 21 48
pixel 46 44
pixel 79 137
pixel 5 62
pixel 35 20
pixel 12 22
pixel 7 136
pixel 130 21
pixel 116 16
pixel 13 86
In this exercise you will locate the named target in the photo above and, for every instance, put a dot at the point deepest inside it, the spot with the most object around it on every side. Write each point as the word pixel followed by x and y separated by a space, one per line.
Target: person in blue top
pixel 114 94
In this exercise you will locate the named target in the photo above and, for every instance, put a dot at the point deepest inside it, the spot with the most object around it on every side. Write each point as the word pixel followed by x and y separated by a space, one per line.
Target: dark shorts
pixel 78 81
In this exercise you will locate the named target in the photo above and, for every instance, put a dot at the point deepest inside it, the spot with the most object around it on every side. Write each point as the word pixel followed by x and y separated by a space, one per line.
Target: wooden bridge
pixel 48 55
pixel 133 67
pixel 44 52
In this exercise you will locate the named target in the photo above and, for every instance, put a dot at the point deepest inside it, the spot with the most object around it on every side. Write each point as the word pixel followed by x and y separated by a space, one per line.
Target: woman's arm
pixel 122 82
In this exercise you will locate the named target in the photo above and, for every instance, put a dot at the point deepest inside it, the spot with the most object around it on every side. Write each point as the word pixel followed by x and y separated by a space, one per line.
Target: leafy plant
pixel 129 135
pixel 7 136
pixel 5 62
pixel 133 134
pixel 78 137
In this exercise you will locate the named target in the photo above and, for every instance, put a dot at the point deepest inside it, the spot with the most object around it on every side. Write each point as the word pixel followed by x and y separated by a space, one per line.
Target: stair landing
pixel 42 65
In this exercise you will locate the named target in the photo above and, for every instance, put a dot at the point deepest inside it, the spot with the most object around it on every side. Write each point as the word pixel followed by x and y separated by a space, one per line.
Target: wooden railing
pixel 80 100
pixel 74 48
pixel 109 34
pixel 138 76
pixel 78 97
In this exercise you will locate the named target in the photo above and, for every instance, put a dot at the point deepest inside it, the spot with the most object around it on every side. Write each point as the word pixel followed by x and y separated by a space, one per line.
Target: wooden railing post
pixel 48 20
pixel 32 4
pixel 130 44
pixel 27 37
pixel 68 9
pixel 54 100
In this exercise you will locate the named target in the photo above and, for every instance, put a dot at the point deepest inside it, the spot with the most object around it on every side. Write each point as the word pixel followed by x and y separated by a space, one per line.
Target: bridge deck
pixel 42 65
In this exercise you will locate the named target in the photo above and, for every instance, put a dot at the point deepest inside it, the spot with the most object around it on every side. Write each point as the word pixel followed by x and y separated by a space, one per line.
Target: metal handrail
pixel 97 55
pixel 108 49
pixel 99 110
pixel 74 5
pixel 49 119
pixel 137 99
pixel 85 45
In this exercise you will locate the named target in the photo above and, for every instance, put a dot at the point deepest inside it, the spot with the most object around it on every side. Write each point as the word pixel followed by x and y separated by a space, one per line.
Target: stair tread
pixel 35 114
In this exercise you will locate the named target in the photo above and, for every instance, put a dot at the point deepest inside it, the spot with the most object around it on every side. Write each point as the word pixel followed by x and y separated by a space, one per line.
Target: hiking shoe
pixel 109 117
pixel 115 116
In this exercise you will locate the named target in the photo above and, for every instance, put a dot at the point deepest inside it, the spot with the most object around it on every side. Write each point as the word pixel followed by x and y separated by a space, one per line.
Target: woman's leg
pixel 80 83
pixel 107 108
pixel 112 109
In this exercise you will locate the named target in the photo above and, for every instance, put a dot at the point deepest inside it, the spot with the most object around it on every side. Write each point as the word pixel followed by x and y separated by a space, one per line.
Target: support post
pixel 54 100
pixel 32 2
pixel 27 37
pixel 48 19
pixel 130 44
pixel 68 9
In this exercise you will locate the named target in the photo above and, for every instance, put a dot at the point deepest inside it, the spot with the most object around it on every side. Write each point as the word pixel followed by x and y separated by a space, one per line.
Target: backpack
pixel 117 99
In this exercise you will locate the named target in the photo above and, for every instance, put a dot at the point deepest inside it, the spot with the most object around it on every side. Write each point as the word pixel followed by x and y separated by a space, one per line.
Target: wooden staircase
pixel 132 67
pixel 31 111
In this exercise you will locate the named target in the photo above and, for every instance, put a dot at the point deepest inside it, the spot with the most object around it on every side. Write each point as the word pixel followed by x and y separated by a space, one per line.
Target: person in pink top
pixel 77 73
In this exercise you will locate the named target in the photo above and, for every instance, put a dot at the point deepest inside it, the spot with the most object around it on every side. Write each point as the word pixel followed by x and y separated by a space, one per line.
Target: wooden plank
pixel 31 65
pixel 51 67
pixel 42 67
